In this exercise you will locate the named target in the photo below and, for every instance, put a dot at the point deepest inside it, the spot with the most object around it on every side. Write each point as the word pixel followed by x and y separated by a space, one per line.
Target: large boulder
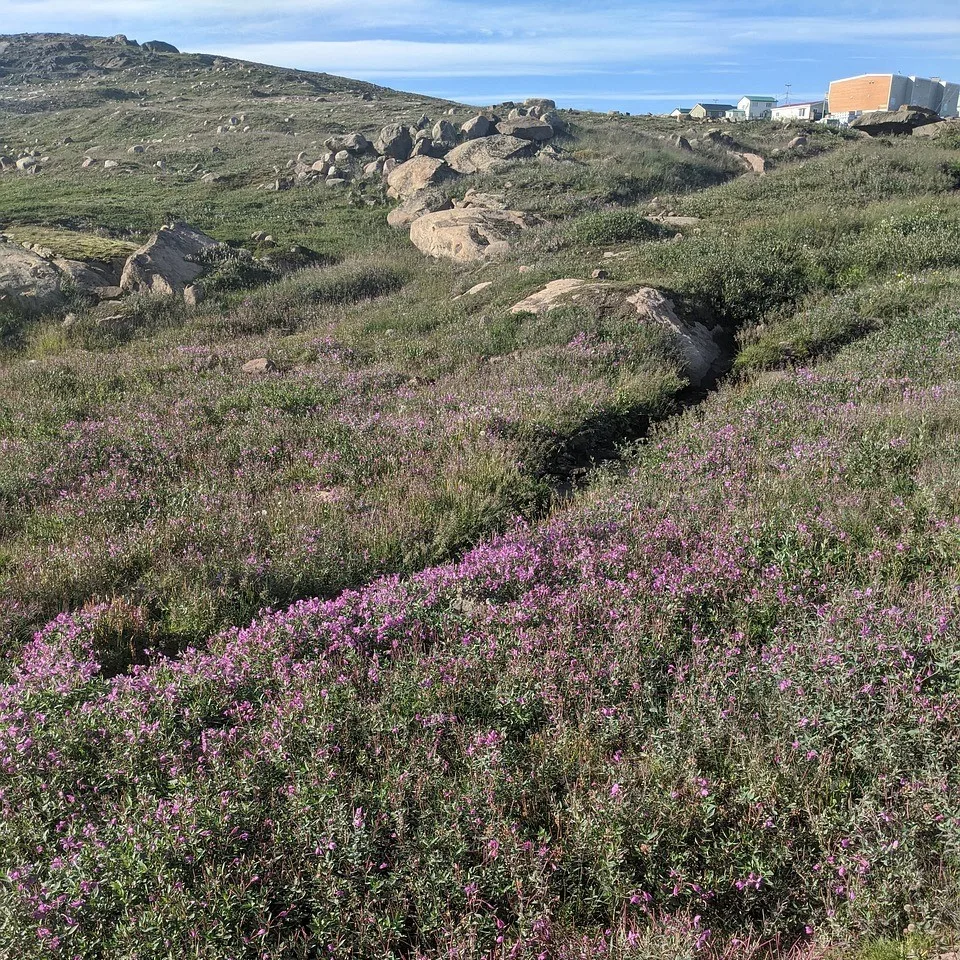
pixel 29 284
pixel 557 122
pixel 541 104
pixel 475 127
pixel 444 132
pixel 420 204
pixel 487 153
pixel 904 121
pixel 415 175
pixel 394 141
pixel 159 46
pixel 754 163
pixel 935 130
pixel 166 263
pixel 350 142
pixel 526 128
pixel 695 344
pixel 468 235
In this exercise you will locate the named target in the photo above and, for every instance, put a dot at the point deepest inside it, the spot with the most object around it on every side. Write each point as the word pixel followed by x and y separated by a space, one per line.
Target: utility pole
pixel 787 101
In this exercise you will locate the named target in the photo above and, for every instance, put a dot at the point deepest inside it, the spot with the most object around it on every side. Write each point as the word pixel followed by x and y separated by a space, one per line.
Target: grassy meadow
pixel 467 633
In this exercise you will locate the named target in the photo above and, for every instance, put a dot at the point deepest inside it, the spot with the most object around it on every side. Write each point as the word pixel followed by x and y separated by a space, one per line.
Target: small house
pixel 812 111
pixel 710 111
pixel 681 113
pixel 757 108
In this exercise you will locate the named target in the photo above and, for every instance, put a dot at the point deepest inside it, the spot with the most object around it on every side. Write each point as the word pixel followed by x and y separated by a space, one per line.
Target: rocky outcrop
pixel 415 175
pixel 487 153
pixel 469 234
pixel 29 284
pixel 696 345
pixel 100 278
pixel 904 121
pixel 166 263
pixel 558 293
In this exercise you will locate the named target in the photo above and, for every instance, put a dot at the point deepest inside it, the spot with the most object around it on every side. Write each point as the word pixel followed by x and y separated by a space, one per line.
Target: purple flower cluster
pixel 714 704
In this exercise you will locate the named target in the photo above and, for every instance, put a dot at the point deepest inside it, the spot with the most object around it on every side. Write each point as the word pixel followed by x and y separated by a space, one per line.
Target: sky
pixel 641 56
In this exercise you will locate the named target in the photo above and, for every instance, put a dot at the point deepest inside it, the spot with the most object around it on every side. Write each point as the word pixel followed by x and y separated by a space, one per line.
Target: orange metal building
pixel 890 91
pixel 872 91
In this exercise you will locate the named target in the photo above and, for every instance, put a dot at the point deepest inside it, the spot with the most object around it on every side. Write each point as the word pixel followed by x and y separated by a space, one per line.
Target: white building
pixel 812 110
pixel 756 108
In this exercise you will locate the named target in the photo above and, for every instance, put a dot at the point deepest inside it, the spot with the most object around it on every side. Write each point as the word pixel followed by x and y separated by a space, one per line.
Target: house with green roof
pixel 757 108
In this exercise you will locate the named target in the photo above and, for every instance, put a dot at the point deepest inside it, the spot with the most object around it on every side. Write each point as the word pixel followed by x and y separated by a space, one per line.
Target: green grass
pixel 146 476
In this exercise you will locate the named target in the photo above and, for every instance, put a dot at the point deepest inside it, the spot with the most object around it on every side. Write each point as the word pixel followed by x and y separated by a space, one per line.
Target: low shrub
pixel 615 226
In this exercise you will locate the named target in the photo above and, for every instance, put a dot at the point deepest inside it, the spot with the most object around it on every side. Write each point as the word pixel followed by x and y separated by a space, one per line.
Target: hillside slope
pixel 363 606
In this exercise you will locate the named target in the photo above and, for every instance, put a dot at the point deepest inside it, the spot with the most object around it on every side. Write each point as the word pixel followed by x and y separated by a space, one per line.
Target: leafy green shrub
pixel 615 226
pixel 229 269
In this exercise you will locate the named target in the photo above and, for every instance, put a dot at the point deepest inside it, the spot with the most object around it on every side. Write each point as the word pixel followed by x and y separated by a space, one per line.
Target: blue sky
pixel 609 54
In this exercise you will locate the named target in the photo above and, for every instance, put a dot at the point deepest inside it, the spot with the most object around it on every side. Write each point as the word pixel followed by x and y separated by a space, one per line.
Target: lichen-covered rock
pixel 29 284
pixel 487 153
pixel 415 175
pixel 468 235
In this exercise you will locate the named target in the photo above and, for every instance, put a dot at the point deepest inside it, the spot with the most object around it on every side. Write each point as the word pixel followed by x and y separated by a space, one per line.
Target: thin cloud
pixel 412 58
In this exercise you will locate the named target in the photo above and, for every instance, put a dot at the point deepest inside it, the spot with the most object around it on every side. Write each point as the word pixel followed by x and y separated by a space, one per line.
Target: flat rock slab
pixel 469 235
pixel 487 153
pixel 878 123
pixel 559 293
pixel 526 128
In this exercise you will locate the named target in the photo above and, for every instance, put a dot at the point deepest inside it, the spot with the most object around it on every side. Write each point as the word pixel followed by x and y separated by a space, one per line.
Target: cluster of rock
pixel 31 162
pixel 481 142
pixel 35 281
pixel 752 162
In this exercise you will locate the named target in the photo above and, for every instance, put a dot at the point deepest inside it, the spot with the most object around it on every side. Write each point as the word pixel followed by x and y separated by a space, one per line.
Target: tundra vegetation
pixel 447 630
